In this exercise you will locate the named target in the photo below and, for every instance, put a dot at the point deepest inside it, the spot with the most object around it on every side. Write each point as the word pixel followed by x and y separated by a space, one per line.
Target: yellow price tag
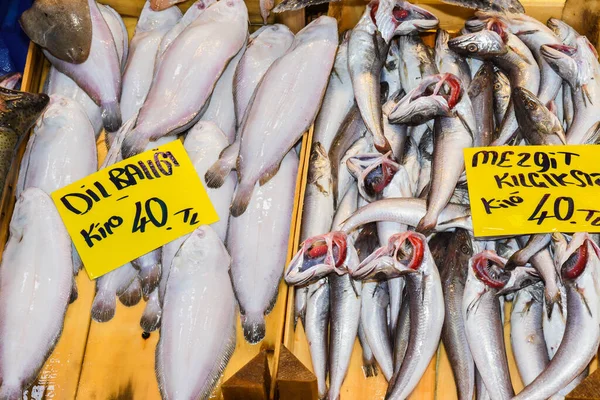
pixel 133 207
pixel 534 189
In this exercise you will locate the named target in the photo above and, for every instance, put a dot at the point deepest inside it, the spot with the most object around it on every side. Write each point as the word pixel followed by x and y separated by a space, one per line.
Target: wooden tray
pixel 112 360
pixel 438 380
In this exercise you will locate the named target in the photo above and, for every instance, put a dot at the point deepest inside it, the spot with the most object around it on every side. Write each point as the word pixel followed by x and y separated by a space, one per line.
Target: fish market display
pixel 505 79
pixel 36 279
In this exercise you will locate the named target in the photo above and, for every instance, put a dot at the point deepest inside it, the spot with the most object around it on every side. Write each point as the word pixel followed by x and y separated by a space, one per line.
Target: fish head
pixel 19 110
pixel 580 254
pixel 321 255
pixel 401 256
pixel 533 115
pixel 399 17
pixel 373 172
pixel 150 19
pixel 520 278
pixel 587 61
pixel 57 112
pixel 488 268
pixel 562 60
pixel 564 31
pixel 437 95
pixel 483 44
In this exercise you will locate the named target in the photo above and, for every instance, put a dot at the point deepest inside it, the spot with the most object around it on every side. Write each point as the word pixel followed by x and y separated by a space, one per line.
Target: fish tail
pixel 150 278
pixel 104 305
pixel 133 294
pixel 134 143
pixel 111 116
pixel 551 300
pixel 10 392
pixel 427 224
pixel 254 327
pixel 150 320
pixel 241 199
pixel 216 174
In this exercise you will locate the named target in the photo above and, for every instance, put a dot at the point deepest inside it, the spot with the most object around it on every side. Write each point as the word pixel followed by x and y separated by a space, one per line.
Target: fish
pixel 265 46
pixel 511 6
pixel 453 268
pixel 416 63
pixel 265 9
pixel 502 95
pixel 375 299
pixel 264 229
pixel 300 299
pixel 526 333
pixel 344 317
pixel 10 80
pixel 117 27
pixel 338 99
pixel 481 92
pixel 367 51
pixel 483 323
pixel 346 172
pixel 221 108
pixel 402 331
pixel 19 110
pixel 61 150
pixel 369 366
pixel 222 26
pixel 100 74
pixel 109 286
pixel 579 269
pixel 408 211
pixel 36 276
pixel 563 31
pixel 508 52
pixel 448 61
pixel 351 130
pixel 160 5
pixel 401 18
pixel 538 125
pixel 149 267
pixel 318 210
pixel 316 329
pixel 133 294
pixel 195 342
pixel 373 171
pixel 535 243
pixel 407 254
pixel 64 28
pixel 262 132
pixel 292 5
pixel 139 68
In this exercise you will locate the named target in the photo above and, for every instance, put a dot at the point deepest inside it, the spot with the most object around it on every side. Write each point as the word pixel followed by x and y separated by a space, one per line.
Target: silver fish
pixel 264 229
pixel 564 31
pixel 580 263
pixel 367 51
pixel 401 18
pixel 416 63
pixel 196 343
pixel 139 70
pixel 300 294
pixel 223 26
pixel 36 277
pixel 369 366
pixel 309 60
pixel 534 244
pixel 526 334
pixel 373 171
pixel 316 328
pixel 100 74
pixel 512 6
pixel 338 100
pixel 538 125
pixel 408 254
pixel 448 61
pixel 481 92
pixel 402 332
pixel 483 323
pixel 375 299
pixel 342 178
pixel 502 93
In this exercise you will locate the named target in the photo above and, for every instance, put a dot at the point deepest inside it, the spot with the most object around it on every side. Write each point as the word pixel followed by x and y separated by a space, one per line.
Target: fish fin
pixel 134 143
pixel 150 320
pixel 370 370
pixel 133 294
pixel 551 300
pixel 269 173
pixel 149 278
pixel 273 299
pixel 74 292
pixel 254 327
pixel 10 393
pixel 225 353
pixel 216 174
pixel 111 116
pixel 241 199
pixel 104 306
pixel 593 134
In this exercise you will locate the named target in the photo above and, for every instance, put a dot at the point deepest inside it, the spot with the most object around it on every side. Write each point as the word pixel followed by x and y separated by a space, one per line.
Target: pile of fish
pixel 388 254
pixel 199 77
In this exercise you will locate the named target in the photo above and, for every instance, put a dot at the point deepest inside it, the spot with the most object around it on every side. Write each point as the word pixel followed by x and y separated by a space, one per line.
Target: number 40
pixel 539 215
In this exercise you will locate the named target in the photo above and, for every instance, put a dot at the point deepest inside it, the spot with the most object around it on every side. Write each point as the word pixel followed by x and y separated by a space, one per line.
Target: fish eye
pixel 472 47
pixel 530 105
pixel 497 86
pixel 465 249
pixel 526 282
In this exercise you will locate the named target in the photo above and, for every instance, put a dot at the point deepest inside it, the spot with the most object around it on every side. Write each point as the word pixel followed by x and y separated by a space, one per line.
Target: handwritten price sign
pixel 132 207
pixel 534 189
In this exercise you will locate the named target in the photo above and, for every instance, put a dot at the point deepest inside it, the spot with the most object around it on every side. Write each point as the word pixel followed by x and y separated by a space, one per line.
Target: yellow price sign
pixel 133 207
pixel 534 189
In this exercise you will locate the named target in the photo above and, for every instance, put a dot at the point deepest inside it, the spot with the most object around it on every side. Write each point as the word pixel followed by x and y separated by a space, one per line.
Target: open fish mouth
pixel 374 172
pixel 319 256
pixel 401 256
pixel 488 267
pixel 574 266
pixel 562 48
pixel 400 18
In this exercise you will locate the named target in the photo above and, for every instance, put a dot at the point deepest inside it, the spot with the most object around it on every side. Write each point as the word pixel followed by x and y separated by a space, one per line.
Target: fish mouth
pixel 520 278
pixel 561 48
pixel 574 266
pixel 488 267
pixel 373 172
pixel 318 256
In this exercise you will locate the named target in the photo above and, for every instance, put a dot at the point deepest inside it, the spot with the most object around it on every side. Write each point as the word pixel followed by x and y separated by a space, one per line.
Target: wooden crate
pixel 112 360
pixel 438 380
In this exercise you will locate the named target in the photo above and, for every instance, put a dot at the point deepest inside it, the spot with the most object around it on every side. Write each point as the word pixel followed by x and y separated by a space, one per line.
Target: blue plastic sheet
pixel 13 41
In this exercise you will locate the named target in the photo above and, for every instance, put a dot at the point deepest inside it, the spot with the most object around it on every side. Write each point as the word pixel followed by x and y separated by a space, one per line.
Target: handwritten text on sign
pixel 534 189
pixel 133 207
